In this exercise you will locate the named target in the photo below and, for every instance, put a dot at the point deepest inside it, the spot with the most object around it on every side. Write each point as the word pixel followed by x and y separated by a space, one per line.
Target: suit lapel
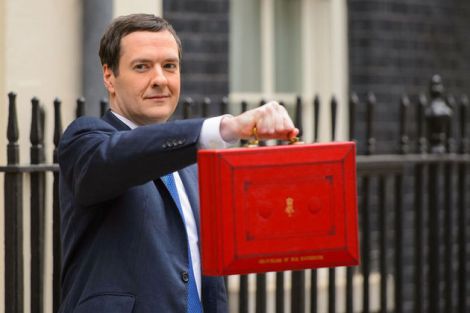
pixel 114 121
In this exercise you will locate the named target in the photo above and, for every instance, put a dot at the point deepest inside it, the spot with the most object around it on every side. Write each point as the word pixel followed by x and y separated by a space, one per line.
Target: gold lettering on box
pixel 270 261
pixel 292 259
pixel 311 258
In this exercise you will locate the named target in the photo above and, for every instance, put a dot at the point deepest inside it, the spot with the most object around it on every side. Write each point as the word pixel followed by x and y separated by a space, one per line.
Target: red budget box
pixel 278 208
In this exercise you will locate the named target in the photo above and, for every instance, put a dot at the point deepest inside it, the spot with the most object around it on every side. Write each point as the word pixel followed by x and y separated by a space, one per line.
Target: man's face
pixel 147 87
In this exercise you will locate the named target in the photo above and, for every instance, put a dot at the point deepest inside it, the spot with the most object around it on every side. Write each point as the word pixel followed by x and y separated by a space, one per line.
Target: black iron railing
pixel 413 213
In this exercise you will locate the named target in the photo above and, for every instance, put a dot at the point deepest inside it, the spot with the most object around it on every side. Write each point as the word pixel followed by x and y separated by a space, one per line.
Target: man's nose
pixel 159 78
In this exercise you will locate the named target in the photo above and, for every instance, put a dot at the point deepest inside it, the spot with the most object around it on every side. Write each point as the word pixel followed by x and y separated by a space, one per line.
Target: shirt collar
pixel 126 121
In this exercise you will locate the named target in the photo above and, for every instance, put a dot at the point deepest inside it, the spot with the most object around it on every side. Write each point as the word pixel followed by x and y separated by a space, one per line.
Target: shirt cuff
pixel 210 137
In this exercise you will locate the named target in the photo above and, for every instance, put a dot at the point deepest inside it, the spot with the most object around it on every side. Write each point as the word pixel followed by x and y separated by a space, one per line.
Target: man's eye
pixel 140 67
pixel 171 66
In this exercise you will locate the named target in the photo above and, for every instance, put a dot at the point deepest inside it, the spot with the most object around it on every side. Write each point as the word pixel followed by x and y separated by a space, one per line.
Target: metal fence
pixel 413 212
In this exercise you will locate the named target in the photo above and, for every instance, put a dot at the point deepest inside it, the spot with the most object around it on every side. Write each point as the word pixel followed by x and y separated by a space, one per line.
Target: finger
pixel 246 122
pixel 265 120
pixel 265 127
pixel 294 133
pixel 279 125
pixel 287 122
pixel 278 118
pixel 282 120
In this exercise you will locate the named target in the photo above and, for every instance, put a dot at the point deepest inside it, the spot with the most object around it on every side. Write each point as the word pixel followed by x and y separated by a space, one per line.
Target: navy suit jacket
pixel 124 243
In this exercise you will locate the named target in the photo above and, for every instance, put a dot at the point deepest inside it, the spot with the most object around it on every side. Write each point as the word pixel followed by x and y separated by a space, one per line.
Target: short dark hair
pixel 110 44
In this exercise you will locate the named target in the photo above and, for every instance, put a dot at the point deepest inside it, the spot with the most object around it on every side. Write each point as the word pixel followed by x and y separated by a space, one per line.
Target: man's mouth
pixel 156 97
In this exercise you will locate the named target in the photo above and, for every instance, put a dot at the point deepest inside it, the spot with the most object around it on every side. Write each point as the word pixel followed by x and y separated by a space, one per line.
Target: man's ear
pixel 108 78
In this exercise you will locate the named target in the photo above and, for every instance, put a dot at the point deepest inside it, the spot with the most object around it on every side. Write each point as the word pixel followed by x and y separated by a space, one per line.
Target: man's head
pixel 141 57
pixel 110 44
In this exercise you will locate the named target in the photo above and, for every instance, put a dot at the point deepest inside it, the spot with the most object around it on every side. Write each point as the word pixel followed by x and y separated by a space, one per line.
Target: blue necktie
pixel 194 304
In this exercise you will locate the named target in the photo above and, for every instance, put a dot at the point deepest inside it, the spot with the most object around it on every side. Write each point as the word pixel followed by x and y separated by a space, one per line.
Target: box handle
pixel 254 142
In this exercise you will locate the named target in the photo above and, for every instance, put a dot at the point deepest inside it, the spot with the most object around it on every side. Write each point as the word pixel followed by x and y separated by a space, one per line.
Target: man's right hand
pixel 271 121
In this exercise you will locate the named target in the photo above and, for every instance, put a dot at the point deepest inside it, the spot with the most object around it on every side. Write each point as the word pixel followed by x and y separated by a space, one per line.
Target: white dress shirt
pixel 209 139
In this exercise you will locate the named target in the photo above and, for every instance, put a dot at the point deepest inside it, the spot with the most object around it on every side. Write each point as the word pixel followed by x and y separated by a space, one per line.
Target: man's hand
pixel 271 121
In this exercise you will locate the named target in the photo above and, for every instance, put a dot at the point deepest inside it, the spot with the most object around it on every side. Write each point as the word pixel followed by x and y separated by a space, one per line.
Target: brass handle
pixel 295 141
pixel 254 142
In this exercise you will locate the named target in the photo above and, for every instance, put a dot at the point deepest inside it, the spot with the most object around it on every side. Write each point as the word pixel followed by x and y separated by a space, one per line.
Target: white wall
pixel 124 7
pixel 42 53
pixel 3 123
pixel 39 56
pixel 3 106
pixel 325 55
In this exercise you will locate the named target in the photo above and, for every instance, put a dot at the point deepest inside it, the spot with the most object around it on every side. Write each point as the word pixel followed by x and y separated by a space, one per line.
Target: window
pixel 283 48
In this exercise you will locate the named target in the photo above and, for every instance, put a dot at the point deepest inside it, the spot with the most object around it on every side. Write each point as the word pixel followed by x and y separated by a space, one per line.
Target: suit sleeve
pixel 98 162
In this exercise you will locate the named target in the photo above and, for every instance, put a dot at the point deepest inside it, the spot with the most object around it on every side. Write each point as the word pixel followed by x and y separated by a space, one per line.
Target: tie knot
pixel 168 179
pixel 170 183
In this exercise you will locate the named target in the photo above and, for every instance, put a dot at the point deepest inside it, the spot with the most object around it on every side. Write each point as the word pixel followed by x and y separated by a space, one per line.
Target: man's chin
pixel 161 117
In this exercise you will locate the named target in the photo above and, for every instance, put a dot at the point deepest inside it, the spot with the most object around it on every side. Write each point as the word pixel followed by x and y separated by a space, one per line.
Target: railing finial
pixel 371 103
pixel 353 104
pixel 224 106
pixel 334 112
pixel 298 115
pixel 187 108
pixel 404 111
pixel 13 156
pixel 80 110
pixel 103 106
pixel 438 115
pixel 36 133
pixel 206 103
pixel 316 117
pixel 464 140
pixel 420 125
pixel 57 121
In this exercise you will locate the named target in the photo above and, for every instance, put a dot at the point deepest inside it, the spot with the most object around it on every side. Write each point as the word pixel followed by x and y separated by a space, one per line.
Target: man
pixel 129 198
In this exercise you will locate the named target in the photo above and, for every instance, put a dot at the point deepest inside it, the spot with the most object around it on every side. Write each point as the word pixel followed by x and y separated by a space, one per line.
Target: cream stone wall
pixel 124 7
pixel 3 123
pixel 43 59
pixel 3 107
pixel 39 56
pixel 325 55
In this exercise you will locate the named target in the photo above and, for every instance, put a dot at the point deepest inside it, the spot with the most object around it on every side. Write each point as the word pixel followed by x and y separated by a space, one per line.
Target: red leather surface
pixel 278 208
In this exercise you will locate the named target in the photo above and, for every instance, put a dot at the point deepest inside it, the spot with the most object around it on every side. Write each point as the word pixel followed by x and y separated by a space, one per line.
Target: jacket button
pixel 184 277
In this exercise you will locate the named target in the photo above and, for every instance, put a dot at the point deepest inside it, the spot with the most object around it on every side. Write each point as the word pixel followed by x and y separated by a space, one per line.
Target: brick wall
pixel 395 48
pixel 203 29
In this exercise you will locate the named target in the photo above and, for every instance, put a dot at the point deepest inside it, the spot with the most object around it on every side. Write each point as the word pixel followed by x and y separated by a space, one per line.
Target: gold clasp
pixel 295 141
pixel 254 142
